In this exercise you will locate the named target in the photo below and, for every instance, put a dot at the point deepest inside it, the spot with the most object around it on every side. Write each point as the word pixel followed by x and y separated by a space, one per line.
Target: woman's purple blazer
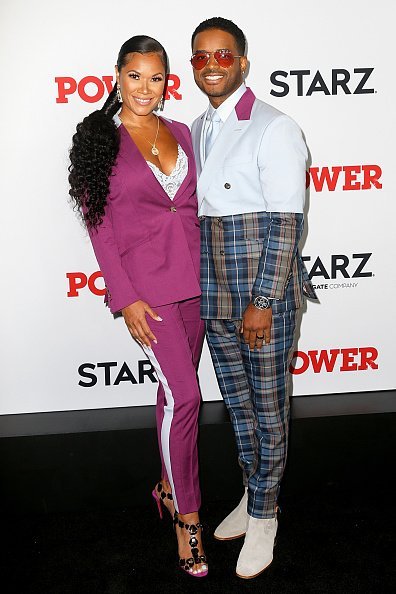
pixel 148 245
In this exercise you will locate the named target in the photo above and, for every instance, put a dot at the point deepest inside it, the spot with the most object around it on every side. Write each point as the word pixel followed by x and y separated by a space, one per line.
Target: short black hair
pixel 223 25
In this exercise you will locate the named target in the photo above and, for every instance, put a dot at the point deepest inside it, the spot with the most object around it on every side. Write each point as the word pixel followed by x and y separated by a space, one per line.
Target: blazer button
pixel 172 209
pixel 227 186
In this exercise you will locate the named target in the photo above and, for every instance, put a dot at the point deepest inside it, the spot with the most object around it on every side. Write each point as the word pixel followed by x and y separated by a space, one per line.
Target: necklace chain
pixel 154 149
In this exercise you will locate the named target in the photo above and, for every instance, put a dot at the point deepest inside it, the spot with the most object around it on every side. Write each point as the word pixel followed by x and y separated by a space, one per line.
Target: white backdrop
pixel 63 352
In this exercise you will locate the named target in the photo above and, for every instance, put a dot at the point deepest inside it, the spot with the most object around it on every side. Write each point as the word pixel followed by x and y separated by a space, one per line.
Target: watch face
pixel 261 302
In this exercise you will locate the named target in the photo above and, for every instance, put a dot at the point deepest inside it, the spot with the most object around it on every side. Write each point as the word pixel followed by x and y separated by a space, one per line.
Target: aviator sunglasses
pixel 223 57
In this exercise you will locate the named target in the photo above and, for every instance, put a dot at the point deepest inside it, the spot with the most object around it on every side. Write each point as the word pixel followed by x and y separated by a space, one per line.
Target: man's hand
pixel 256 326
pixel 135 319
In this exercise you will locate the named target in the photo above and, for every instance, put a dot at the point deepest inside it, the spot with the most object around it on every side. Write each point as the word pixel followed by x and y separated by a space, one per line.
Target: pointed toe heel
pixel 159 494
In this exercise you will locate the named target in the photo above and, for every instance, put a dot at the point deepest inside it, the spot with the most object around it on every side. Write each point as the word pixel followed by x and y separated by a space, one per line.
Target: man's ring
pixel 259 337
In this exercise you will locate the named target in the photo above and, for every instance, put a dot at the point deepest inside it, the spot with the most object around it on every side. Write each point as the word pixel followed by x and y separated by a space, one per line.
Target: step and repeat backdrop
pixel 328 65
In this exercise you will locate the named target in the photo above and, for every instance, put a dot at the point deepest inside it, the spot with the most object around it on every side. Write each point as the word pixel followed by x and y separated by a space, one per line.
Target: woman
pixel 132 175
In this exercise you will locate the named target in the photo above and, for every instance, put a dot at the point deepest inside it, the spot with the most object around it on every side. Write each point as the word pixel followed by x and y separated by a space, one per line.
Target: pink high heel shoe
pixel 159 495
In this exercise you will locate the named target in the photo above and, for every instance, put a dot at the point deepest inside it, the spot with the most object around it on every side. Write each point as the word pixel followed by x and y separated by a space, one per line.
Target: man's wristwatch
pixel 261 302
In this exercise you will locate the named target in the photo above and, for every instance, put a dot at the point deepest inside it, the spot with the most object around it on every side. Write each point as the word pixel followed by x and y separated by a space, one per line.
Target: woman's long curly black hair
pixel 96 143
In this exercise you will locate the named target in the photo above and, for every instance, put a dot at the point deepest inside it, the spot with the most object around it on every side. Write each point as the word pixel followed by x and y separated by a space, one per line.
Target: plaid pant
pixel 254 386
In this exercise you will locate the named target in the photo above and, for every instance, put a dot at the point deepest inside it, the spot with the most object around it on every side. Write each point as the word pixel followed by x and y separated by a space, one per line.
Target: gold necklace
pixel 154 149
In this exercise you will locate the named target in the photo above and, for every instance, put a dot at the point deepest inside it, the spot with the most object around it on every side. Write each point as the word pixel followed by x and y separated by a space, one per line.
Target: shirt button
pixel 227 186
pixel 172 209
pixel 222 252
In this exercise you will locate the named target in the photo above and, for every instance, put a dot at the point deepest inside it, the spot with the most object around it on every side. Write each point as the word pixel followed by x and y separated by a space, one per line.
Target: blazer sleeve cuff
pixel 121 298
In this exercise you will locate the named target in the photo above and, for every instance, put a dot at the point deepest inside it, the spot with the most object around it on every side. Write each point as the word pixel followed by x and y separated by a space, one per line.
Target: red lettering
pixel 92 286
pixel 325 177
pixel 368 357
pixel 77 281
pixel 372 173
pixel 171 89
pixel 305 363
pixel 348 363
pixel 108 81
pixel 351 172
pixel 95 81
pixel 66 86
pixel 328 177
pixel 323 359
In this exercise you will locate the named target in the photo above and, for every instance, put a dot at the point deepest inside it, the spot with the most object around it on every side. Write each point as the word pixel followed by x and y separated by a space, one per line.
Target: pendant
pixel 155 151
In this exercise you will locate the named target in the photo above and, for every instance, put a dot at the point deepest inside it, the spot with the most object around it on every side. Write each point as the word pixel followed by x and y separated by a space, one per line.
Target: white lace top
pixel 172 182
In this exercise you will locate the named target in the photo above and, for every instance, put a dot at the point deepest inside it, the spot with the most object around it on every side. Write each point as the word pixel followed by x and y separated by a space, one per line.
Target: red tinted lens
pixel 224 59
pixel 199 60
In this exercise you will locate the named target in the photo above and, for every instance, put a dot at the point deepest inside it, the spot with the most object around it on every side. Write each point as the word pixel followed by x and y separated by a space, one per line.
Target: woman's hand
pixel 135 319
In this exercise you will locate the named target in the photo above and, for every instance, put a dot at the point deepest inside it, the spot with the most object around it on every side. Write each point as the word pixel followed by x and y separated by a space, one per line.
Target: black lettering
pixel 145 368
pixel 91 376
pixel 279 83
pixel 318 269
pixel 107 367
pixel 359 270
pixel 318 84
pixel 299 74
pixel 340 82
pixel 125 375
pixel 360 90
pixel 337 266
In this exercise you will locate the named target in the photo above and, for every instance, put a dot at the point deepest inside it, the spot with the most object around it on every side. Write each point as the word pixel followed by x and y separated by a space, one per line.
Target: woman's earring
pixel 119 98
pixel 160 105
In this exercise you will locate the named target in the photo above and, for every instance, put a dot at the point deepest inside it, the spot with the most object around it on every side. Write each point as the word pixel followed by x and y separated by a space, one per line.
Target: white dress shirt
pixel 223 111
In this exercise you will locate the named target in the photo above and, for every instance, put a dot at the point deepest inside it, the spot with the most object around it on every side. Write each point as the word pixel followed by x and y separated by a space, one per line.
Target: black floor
pixel 336 532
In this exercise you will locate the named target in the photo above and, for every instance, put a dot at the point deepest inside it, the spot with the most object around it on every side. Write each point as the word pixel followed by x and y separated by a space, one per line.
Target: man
pixel 251 160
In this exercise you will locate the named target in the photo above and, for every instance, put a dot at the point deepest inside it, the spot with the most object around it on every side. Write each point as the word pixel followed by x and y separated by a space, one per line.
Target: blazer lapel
pixel 198 142
pixel 130 152
pixel 136 161
pixel 178 134
pixel 230 134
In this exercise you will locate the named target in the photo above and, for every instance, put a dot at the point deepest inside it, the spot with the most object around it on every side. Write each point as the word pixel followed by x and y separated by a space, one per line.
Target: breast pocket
pixel 238 160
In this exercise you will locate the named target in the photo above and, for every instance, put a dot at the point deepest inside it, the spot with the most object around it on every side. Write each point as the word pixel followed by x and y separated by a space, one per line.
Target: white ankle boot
pixel 257 551
pixel 235 524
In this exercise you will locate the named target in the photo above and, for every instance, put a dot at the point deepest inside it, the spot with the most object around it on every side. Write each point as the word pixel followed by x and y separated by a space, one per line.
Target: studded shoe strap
pixel 188 564
pixel 163 494
pixel 192 529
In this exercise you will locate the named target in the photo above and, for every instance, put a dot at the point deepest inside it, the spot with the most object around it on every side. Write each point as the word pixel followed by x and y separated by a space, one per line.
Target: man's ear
pixel 243 63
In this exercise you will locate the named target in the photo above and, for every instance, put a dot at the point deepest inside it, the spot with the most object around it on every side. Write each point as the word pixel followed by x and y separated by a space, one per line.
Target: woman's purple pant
pixel 175 359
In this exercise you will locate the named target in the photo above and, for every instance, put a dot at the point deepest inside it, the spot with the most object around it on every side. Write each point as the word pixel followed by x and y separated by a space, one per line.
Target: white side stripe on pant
pixel 167 420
